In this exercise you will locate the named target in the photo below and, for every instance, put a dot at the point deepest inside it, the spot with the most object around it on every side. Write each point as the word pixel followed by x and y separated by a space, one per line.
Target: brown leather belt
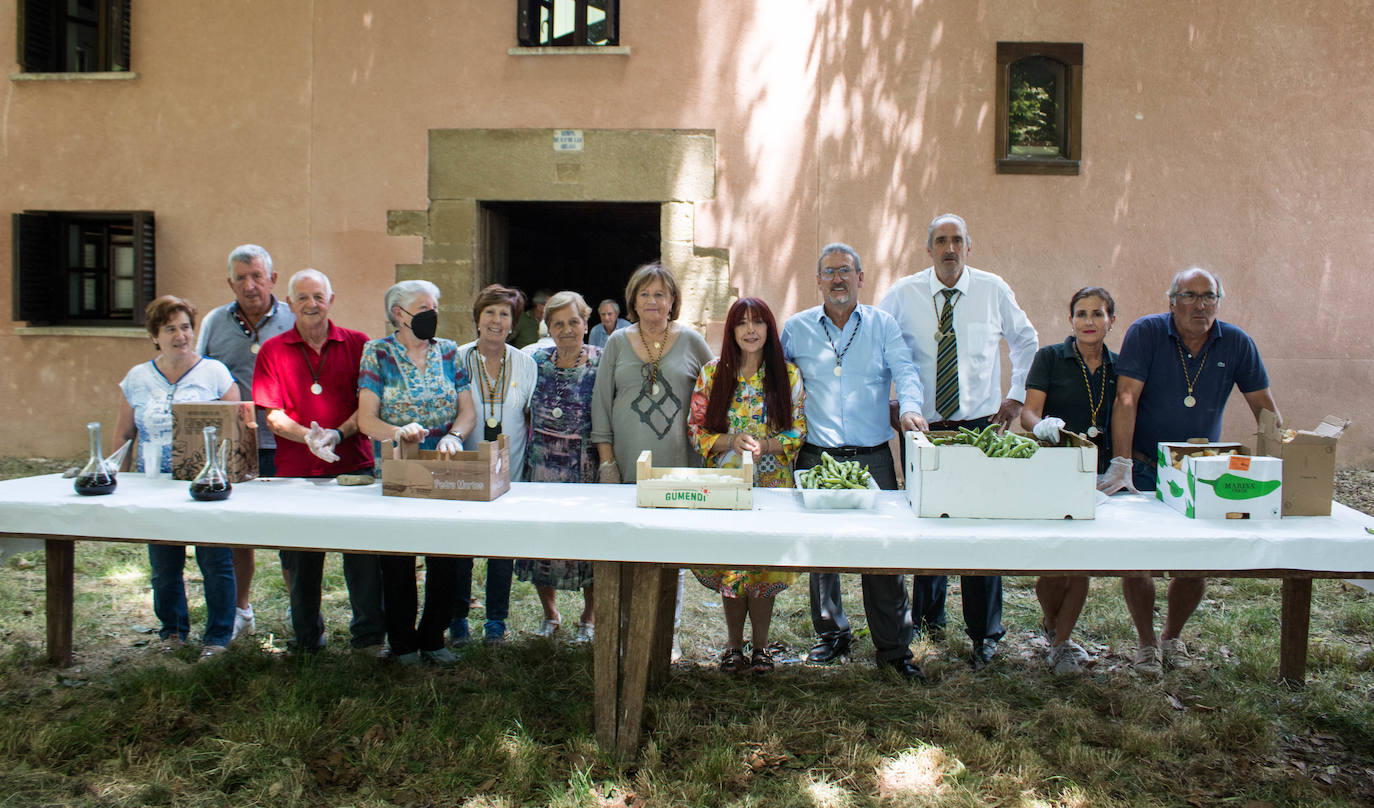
pixel 953 426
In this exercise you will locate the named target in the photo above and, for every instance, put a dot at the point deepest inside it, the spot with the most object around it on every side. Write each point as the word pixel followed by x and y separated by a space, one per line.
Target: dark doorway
pixel 587 247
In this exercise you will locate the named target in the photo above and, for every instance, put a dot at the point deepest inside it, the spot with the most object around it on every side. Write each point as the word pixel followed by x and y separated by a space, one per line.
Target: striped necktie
pixel 947 361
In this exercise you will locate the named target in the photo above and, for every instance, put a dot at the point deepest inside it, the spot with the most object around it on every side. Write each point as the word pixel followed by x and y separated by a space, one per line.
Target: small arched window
pixel 1039 107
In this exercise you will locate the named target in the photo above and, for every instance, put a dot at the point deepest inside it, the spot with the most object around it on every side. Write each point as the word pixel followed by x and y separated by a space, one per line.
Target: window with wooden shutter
pixel 567 23
pixel 74 36
pixel 83 267
pixel 1039 107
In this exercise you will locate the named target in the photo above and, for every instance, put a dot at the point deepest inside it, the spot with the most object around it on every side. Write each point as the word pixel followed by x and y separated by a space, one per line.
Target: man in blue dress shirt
pixel 849 356
pixel 1174 375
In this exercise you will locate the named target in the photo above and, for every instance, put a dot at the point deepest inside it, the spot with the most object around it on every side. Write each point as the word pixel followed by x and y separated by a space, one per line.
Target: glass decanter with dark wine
pixel 98 475
pixel 212 483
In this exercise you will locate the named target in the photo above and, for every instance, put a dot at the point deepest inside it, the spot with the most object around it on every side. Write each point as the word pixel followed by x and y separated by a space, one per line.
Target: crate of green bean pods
pixel 813 486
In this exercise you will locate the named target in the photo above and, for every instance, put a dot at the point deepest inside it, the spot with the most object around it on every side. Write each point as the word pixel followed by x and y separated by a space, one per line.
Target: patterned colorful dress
pixel 429 397
pixel 746 414
pixel 560 450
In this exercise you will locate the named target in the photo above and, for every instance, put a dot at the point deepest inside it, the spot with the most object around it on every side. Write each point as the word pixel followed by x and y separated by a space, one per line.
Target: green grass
pixel 512 724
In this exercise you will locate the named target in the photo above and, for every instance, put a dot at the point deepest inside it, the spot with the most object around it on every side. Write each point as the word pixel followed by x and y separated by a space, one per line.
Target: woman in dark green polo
pixel 1070 387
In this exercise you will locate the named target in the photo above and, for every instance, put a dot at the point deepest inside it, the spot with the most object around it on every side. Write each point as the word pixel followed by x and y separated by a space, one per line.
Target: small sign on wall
pixel 567 140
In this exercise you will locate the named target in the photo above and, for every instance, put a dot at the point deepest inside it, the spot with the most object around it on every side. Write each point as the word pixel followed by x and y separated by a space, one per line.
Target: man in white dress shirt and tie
pixel 954 318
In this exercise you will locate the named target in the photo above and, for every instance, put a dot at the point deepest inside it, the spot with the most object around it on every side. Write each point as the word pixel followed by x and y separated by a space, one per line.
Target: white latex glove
pixel 1047 429
pixel 1117 477
pixel 411 433
pixel 449 445
pixel 321 442
pixel 608 472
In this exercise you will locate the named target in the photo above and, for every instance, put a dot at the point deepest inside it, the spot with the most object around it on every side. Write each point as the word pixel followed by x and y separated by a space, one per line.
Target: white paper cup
pixel 152 459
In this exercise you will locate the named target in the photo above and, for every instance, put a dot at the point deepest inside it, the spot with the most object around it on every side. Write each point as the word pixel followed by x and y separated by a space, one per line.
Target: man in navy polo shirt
pixel 1174 375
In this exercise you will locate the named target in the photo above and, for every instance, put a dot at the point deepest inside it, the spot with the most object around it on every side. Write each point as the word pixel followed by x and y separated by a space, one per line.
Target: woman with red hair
pixel 749 400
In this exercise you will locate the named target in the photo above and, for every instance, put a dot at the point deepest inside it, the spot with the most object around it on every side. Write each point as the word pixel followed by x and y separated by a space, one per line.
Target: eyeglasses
pixel 830 272
pixel 1188 298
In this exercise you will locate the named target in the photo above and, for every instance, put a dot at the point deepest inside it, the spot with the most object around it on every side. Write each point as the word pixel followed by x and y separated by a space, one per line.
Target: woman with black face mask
pixel 414 388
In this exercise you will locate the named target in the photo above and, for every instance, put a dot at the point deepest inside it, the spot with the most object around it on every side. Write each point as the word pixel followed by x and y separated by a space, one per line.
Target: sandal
pixel 762 660
pixel 733 661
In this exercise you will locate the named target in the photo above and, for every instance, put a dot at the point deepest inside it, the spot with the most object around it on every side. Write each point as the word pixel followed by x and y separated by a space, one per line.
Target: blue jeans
pixel 499 572
pixel 169 591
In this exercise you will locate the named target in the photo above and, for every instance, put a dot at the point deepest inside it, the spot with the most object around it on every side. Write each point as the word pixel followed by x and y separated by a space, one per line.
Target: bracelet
pixel 455 433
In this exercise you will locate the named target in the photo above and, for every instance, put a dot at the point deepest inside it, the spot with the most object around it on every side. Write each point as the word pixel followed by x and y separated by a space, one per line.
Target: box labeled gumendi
pixel 730 489
pixel 1204 480
pixel 480 476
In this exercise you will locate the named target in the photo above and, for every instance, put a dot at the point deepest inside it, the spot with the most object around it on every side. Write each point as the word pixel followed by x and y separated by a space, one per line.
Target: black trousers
pixel 885 601
pixel 402 602
pixel 982 594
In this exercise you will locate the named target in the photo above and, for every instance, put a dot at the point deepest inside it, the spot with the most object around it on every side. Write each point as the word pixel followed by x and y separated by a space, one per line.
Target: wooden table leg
pixel 1296 616
pixel 60 591
pixel 638 644
pixel 661 662
pixel 606 650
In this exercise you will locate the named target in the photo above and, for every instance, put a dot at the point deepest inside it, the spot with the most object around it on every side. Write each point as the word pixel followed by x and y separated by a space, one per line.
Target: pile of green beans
pixel 832 473
pixel 1007 444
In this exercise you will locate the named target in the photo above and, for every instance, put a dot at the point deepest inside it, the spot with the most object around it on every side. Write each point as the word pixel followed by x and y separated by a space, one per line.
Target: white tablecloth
pixel 601 522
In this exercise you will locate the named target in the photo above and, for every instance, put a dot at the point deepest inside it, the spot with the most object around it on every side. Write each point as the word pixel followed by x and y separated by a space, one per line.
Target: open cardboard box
pixel 1057 482
pixel 1209 484
pixel 479 476
pixel 236 423
pixel 730 489
pixel 1309 462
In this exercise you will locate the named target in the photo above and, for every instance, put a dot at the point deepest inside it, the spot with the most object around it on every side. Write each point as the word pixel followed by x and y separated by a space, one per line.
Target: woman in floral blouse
pixel 749 400
pixel 413 388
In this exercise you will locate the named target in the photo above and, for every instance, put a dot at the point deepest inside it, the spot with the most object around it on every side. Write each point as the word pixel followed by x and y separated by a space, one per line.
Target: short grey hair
pixel 843 249
pixel 404 292
pixel 308 273
pixel 562 300
pixel 947 217
pixel 612 303
pixel 1178 281
pixel 246 254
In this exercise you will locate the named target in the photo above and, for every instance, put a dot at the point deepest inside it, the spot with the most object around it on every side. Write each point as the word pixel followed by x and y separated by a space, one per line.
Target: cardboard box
pixel 730 489
pixel 1309 462
pixel 1057 482
pixel 1208 485
pixel 479 476
pixel 237 424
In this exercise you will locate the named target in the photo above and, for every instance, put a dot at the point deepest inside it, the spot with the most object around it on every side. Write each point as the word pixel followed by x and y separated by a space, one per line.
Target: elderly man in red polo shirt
pixel 307 380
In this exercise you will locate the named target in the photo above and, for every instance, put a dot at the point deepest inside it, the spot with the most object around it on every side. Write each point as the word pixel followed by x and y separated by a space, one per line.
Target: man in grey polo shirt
pixel 233 333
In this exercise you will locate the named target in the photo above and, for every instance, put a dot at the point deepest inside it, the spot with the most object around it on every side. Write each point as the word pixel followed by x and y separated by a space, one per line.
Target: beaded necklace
pixel 1094 406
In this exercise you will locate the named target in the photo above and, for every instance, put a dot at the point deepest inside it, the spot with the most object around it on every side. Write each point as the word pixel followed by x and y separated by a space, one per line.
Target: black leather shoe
pixel 907 669
pixel 826 651
pixel 983 652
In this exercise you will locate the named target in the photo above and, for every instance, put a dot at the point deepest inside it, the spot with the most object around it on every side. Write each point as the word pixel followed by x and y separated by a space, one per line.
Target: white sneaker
pixel 1146 662
pixel 244 622
pixel 1068 658
pixel 1175 653
pixel 548 628
pixel 677 651
pixel 586 632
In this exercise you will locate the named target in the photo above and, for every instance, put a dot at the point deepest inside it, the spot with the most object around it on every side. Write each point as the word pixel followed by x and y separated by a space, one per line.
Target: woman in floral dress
pixel 749 400
pixel 560 448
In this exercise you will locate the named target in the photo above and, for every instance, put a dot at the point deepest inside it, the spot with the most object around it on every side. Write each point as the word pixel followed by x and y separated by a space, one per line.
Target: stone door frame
pixel 675 168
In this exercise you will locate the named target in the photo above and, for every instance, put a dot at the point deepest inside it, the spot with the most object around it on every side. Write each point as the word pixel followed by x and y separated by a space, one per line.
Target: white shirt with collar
pixel 985 313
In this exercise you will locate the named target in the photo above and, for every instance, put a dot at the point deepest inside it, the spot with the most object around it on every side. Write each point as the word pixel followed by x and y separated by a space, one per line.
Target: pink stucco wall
pixel 1233 134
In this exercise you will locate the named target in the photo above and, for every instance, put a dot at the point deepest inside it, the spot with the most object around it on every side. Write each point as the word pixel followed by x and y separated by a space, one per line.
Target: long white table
pixel 639 549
